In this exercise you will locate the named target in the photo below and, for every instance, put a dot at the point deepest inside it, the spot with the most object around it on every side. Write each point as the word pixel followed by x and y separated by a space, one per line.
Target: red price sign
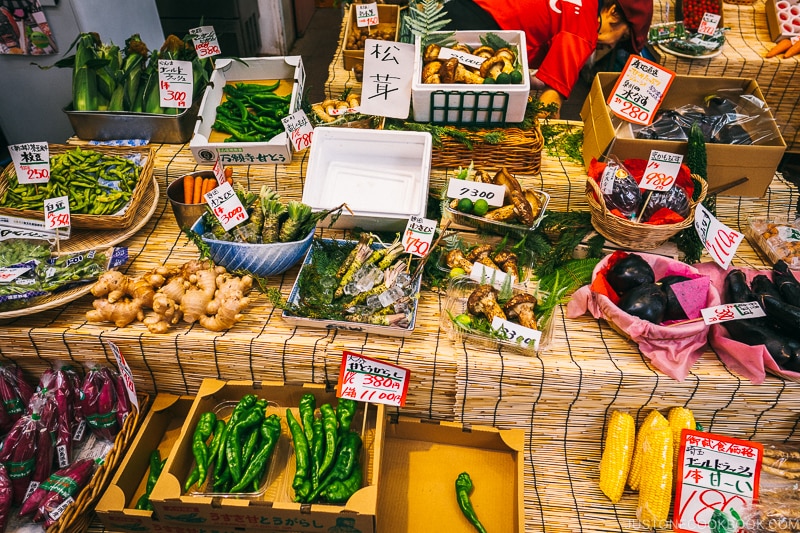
pixel 31 162
pixel 56 212
pixel 639 90
pixel 226 206
pixel 175 83
pixel 709 24
pixel 369 380
pixel 418 236
pixel 720 241
pixel 299 129
pixel 726 312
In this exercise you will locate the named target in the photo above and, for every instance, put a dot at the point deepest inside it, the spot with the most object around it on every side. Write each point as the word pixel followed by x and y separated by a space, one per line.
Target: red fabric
pixel 560 35
pixel 639 14
pixel 664 216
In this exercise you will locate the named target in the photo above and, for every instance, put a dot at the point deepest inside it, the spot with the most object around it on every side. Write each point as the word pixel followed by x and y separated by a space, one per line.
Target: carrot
pixel 229 180
pixel 793 50
pixel 198 188
pixel 779 48
pixel 188 189
pixel 228 173
pixel 208 185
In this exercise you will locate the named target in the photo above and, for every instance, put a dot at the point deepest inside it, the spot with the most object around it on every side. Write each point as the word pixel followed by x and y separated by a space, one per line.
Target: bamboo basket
pixel 635 235
pixel 519 151
pixel 740 2
pixel 93 222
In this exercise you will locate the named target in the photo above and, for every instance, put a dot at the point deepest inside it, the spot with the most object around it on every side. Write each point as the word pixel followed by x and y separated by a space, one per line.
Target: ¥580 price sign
pixel 639 90
pixel 299 129
pixel 31 162
pixel 662 171
pixel 226 206
pixel 369 380
pixel 418 236
pixel 56 212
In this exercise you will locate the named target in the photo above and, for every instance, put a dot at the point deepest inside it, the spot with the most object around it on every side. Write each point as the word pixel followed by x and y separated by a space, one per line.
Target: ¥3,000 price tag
pixel 205 41
pixel 709 24
pixel 521 335
pixel 31 162
pixel 475 190
pixel 662 171
pixel 56 212
pixel 366 14
pixel 299 129
pixel 175 83
pixel 727 312
pixel 370 380
pixel 720 240
pixel 418 236
pixel 226 206
pixel 639 90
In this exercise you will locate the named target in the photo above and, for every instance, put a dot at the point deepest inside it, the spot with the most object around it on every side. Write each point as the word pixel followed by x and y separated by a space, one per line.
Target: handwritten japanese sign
pixel 56 212
pixel 639 90
pixel 513 332
pixel 475 190
pixel 299 129
pixel 125 373
pixel 226 206
pixel 366 14
pixel 709 24
pixel 386 86
pixel 9 274
pixel 720 240
pixel 468 60
pixel 175 83
pixel 205 41
pixel 661 171
pixel 31 162
pixel 370 380
pixel 484 274
pixel 418 236
pixel 219 171
pixel 726 312
pixel 715 473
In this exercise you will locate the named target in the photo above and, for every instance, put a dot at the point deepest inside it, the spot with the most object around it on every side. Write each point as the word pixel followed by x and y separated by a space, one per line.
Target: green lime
pixel 488 80
pixel 480 208
pixel 465 205
pixel 503 78
pixel 463 320
pixel 516 77
pixel 456 271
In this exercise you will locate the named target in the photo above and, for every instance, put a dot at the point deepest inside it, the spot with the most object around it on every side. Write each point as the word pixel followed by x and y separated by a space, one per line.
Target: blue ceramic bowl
pixel 259 259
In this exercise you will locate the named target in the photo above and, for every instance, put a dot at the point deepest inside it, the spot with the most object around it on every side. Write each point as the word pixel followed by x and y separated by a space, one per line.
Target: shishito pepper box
pixel 159 431
pixel 271 507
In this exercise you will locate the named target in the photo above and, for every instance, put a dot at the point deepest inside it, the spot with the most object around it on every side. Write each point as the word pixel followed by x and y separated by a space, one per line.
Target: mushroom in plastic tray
pixel 343 112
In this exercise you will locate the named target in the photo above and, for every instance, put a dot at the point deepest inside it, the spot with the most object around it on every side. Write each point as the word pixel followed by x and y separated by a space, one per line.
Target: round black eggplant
pixel 647 301
pixel 674 311
pixel 629 272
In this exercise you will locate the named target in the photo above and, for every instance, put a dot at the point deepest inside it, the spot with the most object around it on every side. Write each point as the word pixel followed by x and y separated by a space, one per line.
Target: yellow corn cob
pixel 654 419
pixel 617 454
pixel 655 489
pixel 679 418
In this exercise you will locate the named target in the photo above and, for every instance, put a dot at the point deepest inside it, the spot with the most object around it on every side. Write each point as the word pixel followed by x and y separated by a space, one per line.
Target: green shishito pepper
pixel 308 404
pixel 340 491
pixel 345 411
pixel 317 451
pixel 346 461
pixel 270 431
pixel 247 402
pixel 301 482
pixel 330 432
pixel 156 466
pixel 203 430
pixel 463 490
pixel 233 446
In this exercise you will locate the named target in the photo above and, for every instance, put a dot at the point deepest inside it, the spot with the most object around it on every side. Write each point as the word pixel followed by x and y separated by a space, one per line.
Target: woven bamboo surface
pixel 743 57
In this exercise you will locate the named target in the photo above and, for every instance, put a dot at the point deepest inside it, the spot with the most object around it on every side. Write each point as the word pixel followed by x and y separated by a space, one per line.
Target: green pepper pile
pixel 96 183
pixel 156 466
pixel 251 112
pixel 234 456
pixel 327 453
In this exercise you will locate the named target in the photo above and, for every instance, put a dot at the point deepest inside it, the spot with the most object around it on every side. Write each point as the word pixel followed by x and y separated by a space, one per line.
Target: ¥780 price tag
pixel 418 236
pixel 226 206
pixel 475 190
pixel 662 171
pixel 56 212
pixel 31 162
pixel 299 129
pixel 369 380
pixel 639 90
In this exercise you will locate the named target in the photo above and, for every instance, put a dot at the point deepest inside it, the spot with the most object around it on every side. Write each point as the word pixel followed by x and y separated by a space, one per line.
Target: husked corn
pixel 679 418
pixel 617 454
pixel 653 420
pixel 655 489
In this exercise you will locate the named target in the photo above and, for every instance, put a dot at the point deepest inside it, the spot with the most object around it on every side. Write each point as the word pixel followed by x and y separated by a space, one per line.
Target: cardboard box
pixel 277 150
pixel 388 20
pixel 783 18
pixel 273 510
pixel 726 163
pixel 159 430
pixel 460 103
pixel 421 462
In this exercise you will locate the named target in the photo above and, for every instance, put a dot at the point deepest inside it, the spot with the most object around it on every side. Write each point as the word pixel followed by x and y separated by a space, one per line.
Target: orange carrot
pixel 208 185
pixel 779 48
pixel 198 188
pixel 793 50
pixel 228 173
pixel 188 189
pixel 229 180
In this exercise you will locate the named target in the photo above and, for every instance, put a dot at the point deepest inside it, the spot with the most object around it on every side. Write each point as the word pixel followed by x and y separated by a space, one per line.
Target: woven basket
pixel 634 235
pixel 93 222
pixel 519 151
pixel 740 2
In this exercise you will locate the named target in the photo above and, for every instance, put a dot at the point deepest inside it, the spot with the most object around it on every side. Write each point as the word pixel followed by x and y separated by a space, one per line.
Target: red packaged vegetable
pixel 5 498
pixel 19 453
pixel 123 402
pixel 57 493
pixel 15 394
pixel 98 402
pixel 60 386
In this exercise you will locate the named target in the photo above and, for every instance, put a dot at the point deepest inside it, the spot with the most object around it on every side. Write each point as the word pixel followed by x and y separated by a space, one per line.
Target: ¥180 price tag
pixel 639 90
pixel 418 236
pixel 726 312
pixel 175 83
pixel 226 206
pixel 719 240
pixel 205 41
pixel 518 334
pixel 661 171
pixel 56 212
pixel 31 162
pixel 366 14
pixel 369 380
pixel 709 24
pixel 299 129
pixel 475 190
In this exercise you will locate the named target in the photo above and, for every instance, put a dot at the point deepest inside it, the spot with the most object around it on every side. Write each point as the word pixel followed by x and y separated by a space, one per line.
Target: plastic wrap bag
pixel 15 393
pixel 620 189
pixel 98 403
pixel 778 505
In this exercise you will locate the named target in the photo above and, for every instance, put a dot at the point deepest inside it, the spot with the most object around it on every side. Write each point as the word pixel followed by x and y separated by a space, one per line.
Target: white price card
pixel 175 83
pixel 31 162
pixel 476 190
pixel 709 24
pixel 727 312
pixel 719 240
pixel 226 206
pixel 366 379
pixel 205 41
pixel 366 14
pixel 485 274
pixel 386 82
pixel 56 212
pixel 418 236
pixel 9 274
pixel 521 335
pixel 661 171
pixel 125 372
pixel 299 129
pixel 639 90
pixel 468 60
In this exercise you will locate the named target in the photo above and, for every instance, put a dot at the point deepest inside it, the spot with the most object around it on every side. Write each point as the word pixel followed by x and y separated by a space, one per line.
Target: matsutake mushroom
pixel 430 72
pixel 431 52
pixel 483 301
pixel 520 307
pixel 455 259
pixel 508 262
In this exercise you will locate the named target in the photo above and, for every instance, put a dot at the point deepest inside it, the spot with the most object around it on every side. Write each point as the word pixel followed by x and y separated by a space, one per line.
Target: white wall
pixel 276 20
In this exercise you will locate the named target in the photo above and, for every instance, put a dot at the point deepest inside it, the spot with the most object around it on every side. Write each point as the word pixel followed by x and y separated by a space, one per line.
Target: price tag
pixel 366 14
pixel 9 274
pixel 475 190
pixel 728 312
pixel 661 171
pixel 56 212
pixel 720 240
pixel 418 236
pixel 175 83
pixel 386 87
pixel 219 172
pixel 484 274
pixel 516 333
pixel 299 129
pixel 205 41
pixel 639 90
pixel 717 475
pixel 370 380
pixel 709 24
pixel 468 60
pixel 125 372
pixel 226 206
pixel 31 162
pixel 788 233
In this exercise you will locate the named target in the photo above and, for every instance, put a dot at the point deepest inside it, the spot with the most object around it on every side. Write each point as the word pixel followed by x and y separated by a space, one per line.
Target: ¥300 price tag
pixel 709 24
pixel 639 90
pixel 31 162
pixel 56 212
pixel 475 190
pixel 418 236
pixel 369 380
pixel 366 14
pixel 299 129
pixel 175 83
pixel 226 206
pixel 521 335
pixel 205 41
pixel 719 240
pixel 662 171
pixel 727 312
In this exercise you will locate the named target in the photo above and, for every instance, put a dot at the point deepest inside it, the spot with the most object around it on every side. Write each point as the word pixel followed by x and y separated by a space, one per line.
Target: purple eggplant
pixel 629 272
pixel 673 311
pixel 787 284
pixel 647 301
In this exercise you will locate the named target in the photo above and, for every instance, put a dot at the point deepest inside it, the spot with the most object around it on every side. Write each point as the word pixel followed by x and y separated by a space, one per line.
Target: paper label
pixel 728 312
pixel 31 162
pixel 80 431
pixel 125 373
pixel 418 236
pixel 719 240
pixel 299 129
pixel 788 233
pixel 366 14
pixel 219 172
pixel 661 172
pixel 468 60
pixel 513 332
pixel 9 274
pixel 58 511
pixel 175 83
pixel 475 190
pixel 709 24
pixel 369 380
pixel 205 41
pixel 608 177
pixel 56 212
pixel 32 486
pixel 22 228
pixel 226 206
pixel 639 90
pixel 61 454
pixel 386 83
pixel 484 274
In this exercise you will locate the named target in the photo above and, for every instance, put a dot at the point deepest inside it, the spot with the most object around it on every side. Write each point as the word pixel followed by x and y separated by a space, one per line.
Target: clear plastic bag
pixel 778 506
